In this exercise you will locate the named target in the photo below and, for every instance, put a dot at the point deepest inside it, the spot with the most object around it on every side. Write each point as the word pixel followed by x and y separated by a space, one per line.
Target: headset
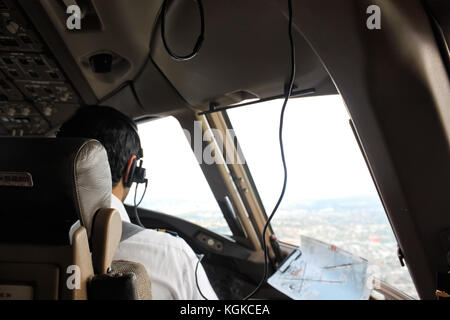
pixel 135 173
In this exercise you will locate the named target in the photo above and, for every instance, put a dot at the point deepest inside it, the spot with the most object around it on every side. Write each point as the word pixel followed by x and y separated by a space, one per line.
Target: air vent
pixel 106 66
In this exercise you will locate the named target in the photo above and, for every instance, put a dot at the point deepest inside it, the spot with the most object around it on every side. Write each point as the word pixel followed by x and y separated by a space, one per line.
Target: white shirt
pixel 169 261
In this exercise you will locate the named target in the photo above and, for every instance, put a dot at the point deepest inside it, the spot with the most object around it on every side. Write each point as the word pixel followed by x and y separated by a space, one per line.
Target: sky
pixel 323 157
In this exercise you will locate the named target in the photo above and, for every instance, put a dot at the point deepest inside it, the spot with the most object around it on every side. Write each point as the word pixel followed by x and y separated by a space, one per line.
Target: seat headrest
pixel 47 184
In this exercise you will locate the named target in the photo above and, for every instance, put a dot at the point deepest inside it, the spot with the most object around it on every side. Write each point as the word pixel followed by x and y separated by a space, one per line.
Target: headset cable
pixel 136 205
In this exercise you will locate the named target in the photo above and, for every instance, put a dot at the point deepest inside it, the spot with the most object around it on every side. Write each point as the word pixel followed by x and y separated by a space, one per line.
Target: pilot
pixel 171 264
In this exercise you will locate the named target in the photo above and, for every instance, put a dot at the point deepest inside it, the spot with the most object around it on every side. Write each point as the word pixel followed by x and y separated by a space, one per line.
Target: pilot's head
pixel 116 132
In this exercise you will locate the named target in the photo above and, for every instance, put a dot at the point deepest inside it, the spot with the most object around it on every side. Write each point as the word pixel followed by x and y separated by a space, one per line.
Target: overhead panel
pixel 35 95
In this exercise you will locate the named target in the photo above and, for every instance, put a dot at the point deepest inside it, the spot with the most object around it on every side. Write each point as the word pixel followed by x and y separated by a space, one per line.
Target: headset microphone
pixel 137 174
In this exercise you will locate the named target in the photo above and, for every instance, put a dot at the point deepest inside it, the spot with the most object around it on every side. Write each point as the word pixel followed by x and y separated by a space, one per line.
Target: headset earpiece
pixel 134 173
pixel 140 175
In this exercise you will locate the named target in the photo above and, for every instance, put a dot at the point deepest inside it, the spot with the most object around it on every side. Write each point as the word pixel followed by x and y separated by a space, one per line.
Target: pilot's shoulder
pixel 161 239
pixel 172 233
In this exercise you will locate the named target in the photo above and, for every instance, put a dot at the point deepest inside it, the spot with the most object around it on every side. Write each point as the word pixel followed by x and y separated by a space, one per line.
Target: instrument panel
pixel 35 95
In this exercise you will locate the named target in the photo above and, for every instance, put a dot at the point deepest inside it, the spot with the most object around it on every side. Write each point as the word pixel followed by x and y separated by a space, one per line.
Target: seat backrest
pixel 46 186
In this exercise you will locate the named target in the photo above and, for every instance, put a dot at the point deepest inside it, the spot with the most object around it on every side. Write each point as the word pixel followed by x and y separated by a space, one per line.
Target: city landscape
pixel 359 226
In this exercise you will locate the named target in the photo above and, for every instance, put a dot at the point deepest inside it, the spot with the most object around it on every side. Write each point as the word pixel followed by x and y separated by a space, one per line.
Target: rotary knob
pixel 48 111
pixel 11 112
pixel 26 112
pixel 12 27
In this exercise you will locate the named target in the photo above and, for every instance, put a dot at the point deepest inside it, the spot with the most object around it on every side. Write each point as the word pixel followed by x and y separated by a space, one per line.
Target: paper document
pixel 319 271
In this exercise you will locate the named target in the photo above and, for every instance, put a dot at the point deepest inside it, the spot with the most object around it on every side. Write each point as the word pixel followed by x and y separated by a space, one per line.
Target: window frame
pixel 230 180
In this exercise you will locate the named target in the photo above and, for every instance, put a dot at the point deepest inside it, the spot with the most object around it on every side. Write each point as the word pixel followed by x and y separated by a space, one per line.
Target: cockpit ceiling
pixel 45 70
pixel 245 52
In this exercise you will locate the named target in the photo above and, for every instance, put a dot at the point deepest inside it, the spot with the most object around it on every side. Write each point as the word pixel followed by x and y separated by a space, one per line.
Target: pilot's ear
pixel 128 177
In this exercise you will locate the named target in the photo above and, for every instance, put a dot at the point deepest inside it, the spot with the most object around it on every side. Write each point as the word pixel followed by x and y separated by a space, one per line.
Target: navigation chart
pixel 319 271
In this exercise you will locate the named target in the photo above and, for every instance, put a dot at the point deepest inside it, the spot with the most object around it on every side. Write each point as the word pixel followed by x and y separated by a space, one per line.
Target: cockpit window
pixel 177 185
pixel 330 194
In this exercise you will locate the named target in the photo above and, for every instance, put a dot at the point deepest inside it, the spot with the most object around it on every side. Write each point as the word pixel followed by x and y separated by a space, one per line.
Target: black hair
pixel 113 129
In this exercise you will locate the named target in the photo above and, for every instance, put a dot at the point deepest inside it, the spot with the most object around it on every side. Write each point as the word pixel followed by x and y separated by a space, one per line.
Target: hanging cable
pixel 288 94
pixel 200 38
pixel 136 205
pixel 200 258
